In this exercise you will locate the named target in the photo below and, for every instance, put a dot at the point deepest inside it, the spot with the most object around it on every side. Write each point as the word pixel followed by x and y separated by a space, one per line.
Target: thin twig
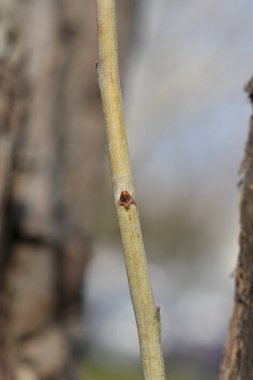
pixel 146 313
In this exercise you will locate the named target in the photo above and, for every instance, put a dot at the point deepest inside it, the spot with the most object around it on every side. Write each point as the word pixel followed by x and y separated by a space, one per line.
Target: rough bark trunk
pixel 238 355
pixel 51 155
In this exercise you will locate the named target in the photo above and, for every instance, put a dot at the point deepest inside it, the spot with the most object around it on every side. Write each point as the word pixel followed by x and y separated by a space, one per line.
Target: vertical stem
pixel 146 313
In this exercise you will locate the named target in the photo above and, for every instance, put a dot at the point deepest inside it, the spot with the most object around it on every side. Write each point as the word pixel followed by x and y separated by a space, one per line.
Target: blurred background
pixel 65 306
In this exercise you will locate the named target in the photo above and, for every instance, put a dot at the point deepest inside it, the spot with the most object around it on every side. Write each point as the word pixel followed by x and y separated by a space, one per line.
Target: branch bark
pixel 146 313
pixel 238 354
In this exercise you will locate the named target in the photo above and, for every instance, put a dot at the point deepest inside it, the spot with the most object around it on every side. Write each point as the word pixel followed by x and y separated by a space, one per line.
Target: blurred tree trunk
pixel 238 355
pixel 51 155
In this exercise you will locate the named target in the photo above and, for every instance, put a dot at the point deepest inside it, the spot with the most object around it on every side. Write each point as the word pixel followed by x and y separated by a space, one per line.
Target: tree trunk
pixel 51 165
pixel 238 355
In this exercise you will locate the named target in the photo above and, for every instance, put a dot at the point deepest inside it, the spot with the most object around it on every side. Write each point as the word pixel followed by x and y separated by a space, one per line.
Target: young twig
pixel 146 313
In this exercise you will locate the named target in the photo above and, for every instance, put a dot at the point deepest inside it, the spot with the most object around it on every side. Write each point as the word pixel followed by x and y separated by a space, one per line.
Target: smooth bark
pixel 146 313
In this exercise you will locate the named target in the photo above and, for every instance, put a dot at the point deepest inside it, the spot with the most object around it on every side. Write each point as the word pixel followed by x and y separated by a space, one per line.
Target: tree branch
pixel 146 313
pixel 238 354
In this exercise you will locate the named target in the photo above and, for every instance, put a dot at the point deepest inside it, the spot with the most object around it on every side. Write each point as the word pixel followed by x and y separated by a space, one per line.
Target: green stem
pixel 146 313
